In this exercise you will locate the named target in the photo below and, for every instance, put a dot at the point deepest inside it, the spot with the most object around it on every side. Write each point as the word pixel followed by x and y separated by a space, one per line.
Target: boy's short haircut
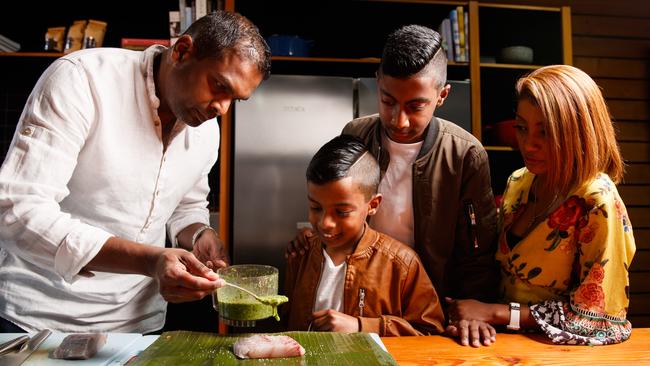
pixel 345 156
pixel 411 49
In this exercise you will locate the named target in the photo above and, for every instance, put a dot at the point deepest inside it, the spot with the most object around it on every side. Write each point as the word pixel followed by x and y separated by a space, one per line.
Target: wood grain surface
pixel 517 349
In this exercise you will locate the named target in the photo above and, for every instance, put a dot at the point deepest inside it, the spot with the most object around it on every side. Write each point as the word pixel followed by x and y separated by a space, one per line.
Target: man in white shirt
pixel 111 153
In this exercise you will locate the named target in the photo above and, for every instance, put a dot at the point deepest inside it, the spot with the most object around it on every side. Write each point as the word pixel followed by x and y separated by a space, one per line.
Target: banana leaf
pixel 205 349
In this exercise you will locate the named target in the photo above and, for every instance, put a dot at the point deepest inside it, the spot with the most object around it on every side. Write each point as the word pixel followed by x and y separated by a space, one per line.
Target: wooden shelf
pixel 510 66
pixel 32 54
pixel 366 60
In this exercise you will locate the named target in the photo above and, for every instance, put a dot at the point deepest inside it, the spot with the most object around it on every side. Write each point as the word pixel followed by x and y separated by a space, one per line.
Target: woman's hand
pixel 469 320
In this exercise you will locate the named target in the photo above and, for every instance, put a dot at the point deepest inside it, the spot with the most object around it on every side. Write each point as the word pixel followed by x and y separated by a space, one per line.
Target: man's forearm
pixel 184 237
pixel 123 256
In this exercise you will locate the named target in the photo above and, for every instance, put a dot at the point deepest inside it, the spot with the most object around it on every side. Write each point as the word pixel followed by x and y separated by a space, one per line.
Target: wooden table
pixel 518 349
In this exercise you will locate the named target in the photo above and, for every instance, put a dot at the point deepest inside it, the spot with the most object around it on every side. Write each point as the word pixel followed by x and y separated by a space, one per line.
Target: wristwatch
pixel 515 308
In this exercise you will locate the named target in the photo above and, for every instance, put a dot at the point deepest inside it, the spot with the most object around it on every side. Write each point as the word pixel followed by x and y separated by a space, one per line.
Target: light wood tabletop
pixel 518 349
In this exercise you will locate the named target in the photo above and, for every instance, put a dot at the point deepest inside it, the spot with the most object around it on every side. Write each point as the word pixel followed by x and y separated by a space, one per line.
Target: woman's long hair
pixel 579 129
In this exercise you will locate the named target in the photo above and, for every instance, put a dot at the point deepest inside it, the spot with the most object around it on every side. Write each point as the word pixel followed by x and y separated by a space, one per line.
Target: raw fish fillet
pixel 267 346
pixel 80 346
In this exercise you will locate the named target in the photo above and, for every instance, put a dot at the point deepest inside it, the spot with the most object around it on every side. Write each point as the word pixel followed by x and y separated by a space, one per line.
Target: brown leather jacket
pixel 386 288
pixel 451 178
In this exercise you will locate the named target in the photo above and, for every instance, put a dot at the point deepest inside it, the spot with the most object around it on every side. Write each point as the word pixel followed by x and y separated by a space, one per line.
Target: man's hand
pixel 300 244
pixel 182 277
pixel 333 321
pixel 211 250
pixel 469 320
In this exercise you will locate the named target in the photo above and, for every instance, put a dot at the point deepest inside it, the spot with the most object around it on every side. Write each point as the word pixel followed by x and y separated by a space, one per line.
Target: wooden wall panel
pixel 635 195
pixel 639 282
pixel 633 131
pixel 640 217
pixel 611 26
pixel 642 238
pixel 611 47
pixel 629 110
pixel 642 306
pixel 639 321
pixel 637 173
pixel 635 151
pixel 613 68
pixel 641 261
pixel 620 8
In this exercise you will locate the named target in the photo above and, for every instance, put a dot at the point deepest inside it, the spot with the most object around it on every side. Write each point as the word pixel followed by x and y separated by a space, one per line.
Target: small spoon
pixel 273 300
pixel 245 290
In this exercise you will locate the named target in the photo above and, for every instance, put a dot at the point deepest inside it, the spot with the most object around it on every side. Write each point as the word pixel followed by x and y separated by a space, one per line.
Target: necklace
pixel 543 212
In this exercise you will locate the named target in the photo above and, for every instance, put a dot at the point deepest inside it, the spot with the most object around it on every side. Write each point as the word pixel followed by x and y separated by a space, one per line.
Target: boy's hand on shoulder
pixel 329 320
pixel 300 243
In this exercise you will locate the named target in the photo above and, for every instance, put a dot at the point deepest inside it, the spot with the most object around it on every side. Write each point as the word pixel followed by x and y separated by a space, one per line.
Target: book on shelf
pixel 466 50
pixel 455 35
pixel 447 42
pixel 191 10
pixel 460 13
pixel 139 44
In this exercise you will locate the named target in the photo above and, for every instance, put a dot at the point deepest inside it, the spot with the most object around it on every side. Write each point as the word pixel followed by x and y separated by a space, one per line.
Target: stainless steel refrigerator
pixel 277 131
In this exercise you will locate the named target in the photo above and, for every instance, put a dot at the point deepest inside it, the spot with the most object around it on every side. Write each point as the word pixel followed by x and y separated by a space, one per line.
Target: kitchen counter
pixel 518 349
pixel 509 349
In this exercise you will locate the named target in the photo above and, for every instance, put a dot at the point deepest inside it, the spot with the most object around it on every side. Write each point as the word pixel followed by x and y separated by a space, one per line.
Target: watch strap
pixel 515 314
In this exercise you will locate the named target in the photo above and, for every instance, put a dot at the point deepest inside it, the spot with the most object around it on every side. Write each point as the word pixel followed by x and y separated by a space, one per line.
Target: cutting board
pixel 110 354
pixel 321 348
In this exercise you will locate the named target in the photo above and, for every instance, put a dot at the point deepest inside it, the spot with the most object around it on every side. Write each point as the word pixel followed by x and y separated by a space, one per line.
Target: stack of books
pixel 7 45
pixel 455 35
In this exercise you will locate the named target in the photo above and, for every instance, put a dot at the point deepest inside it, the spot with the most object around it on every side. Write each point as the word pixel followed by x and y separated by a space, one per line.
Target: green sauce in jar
pixel 248 308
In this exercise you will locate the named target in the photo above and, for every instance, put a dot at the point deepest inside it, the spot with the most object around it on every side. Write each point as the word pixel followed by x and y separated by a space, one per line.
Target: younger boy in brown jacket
pixel 353 278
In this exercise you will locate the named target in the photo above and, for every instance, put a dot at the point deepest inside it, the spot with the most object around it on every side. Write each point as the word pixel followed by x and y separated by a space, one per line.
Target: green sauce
pixel 251 309
pixel 274 301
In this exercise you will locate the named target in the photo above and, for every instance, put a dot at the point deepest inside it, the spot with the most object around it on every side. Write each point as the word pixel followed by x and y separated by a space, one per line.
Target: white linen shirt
pixel 87 163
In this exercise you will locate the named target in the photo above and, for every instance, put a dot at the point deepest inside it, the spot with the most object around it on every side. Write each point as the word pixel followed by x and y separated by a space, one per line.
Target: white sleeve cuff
pixel 77 249
pixel 176 226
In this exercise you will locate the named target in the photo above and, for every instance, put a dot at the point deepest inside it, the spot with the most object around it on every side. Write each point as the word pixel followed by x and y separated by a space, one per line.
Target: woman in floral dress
pixel 565 239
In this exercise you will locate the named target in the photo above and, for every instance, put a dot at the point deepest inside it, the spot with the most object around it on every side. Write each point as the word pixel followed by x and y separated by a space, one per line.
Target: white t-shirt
pixel 395 214
pixel 87 163
pixel 330 288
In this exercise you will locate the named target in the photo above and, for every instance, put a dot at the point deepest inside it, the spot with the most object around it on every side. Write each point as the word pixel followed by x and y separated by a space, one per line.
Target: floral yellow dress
pixel 572 268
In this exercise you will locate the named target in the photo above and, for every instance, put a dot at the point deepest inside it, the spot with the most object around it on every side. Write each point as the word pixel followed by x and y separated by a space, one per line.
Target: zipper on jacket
pixel 362 300
pixel 471 215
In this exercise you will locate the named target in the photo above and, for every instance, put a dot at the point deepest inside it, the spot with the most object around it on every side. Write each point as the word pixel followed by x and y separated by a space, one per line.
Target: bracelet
pixel 200 231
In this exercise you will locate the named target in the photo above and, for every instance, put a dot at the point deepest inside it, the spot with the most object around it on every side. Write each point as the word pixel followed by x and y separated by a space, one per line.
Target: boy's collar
pixel 368 238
